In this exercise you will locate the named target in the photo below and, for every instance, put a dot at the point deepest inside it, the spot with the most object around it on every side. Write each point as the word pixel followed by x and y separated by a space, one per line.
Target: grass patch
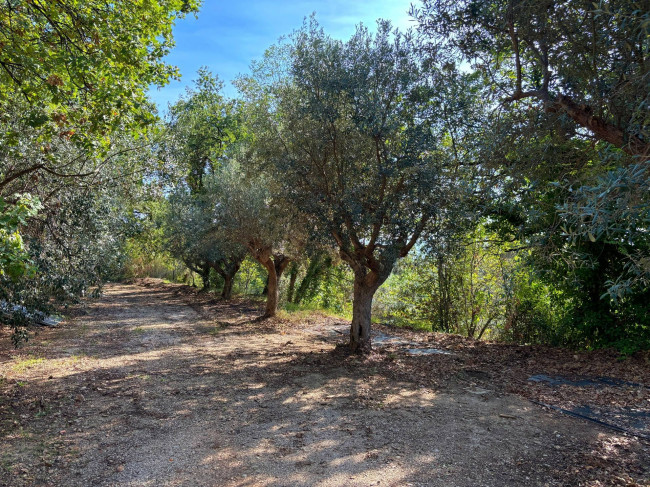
pixel 415 325
pixel 138 330
pixel 6 462
pixel 28 363
pixel 297 312
pixel 75 359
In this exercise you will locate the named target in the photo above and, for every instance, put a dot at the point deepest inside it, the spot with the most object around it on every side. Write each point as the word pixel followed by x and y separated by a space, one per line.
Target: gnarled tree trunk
pixel 227 269
pixel 226 292
pixel 361 318
pixel 274 264
pixel 275 267
pixel 280 263
pixel 365 286
pixel 202 270
pixel 272 289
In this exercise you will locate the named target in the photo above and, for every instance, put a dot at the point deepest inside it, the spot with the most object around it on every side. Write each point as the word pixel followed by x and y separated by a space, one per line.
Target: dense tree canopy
pixel 83 67
pixel 586 60
pixel 74 137
pixel 486 174
pixel 357 142
pixel 567 152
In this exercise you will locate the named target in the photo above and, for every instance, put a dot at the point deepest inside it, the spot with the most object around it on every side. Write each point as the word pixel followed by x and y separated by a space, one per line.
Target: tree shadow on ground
pixel 278 408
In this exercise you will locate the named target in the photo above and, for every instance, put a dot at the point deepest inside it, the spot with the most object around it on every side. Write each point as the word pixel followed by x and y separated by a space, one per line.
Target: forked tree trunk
pixel 274 264
pixel 227 269
pixel 231 269
pixel 280 263
pixel 201 270
pixel 365 287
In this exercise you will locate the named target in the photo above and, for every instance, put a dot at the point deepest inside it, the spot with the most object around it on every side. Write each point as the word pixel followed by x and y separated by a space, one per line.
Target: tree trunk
pixel 272 290
pixel 231 267
pixel 205 277
pixel 226 292
pixel 293 275
pixel 365 286
pixel 280 263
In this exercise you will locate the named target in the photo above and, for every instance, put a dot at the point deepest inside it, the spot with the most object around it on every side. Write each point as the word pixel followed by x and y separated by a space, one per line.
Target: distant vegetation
pixel 485 174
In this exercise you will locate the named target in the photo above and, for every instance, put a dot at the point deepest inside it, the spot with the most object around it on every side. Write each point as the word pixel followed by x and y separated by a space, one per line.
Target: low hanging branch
pixel 583 116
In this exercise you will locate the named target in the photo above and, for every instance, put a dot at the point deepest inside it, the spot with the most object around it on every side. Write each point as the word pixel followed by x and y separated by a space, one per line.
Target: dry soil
pixel 155 385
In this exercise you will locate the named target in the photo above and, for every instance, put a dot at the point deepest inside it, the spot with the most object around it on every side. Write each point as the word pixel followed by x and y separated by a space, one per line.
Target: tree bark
pixel 365 286
pixel 361 319
pixel 231 269
pixel 205 277
pixel 227 269
pixel 583 115
pixel 280 263
pixel 274 264
pixel 272 289
pixel 202 270
pixel 226 292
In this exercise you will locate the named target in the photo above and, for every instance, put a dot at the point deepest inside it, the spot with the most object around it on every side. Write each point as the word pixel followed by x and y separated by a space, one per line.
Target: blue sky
pixel 228 35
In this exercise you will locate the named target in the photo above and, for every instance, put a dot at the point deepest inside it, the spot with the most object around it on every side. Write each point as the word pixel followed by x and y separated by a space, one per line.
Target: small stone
pixel 119 468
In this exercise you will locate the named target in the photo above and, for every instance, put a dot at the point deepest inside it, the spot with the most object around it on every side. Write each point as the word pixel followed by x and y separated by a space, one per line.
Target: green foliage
pixel 14 258
pixel 469 284
pixel 75 131
pixel 83 67
pixel 146 254
pixel 330 290
pixel 71 249
pixel 358 138
pixel 250 279
pixel 584 59
pixel 201 126
pixel 564 158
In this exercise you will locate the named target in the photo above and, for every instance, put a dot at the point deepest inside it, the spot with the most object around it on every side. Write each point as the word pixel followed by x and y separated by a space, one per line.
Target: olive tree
pixel 246 208
pixel 352 130
pixel 201 243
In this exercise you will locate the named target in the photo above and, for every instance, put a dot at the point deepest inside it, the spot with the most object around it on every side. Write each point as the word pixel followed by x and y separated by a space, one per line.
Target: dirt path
pixel 147 390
